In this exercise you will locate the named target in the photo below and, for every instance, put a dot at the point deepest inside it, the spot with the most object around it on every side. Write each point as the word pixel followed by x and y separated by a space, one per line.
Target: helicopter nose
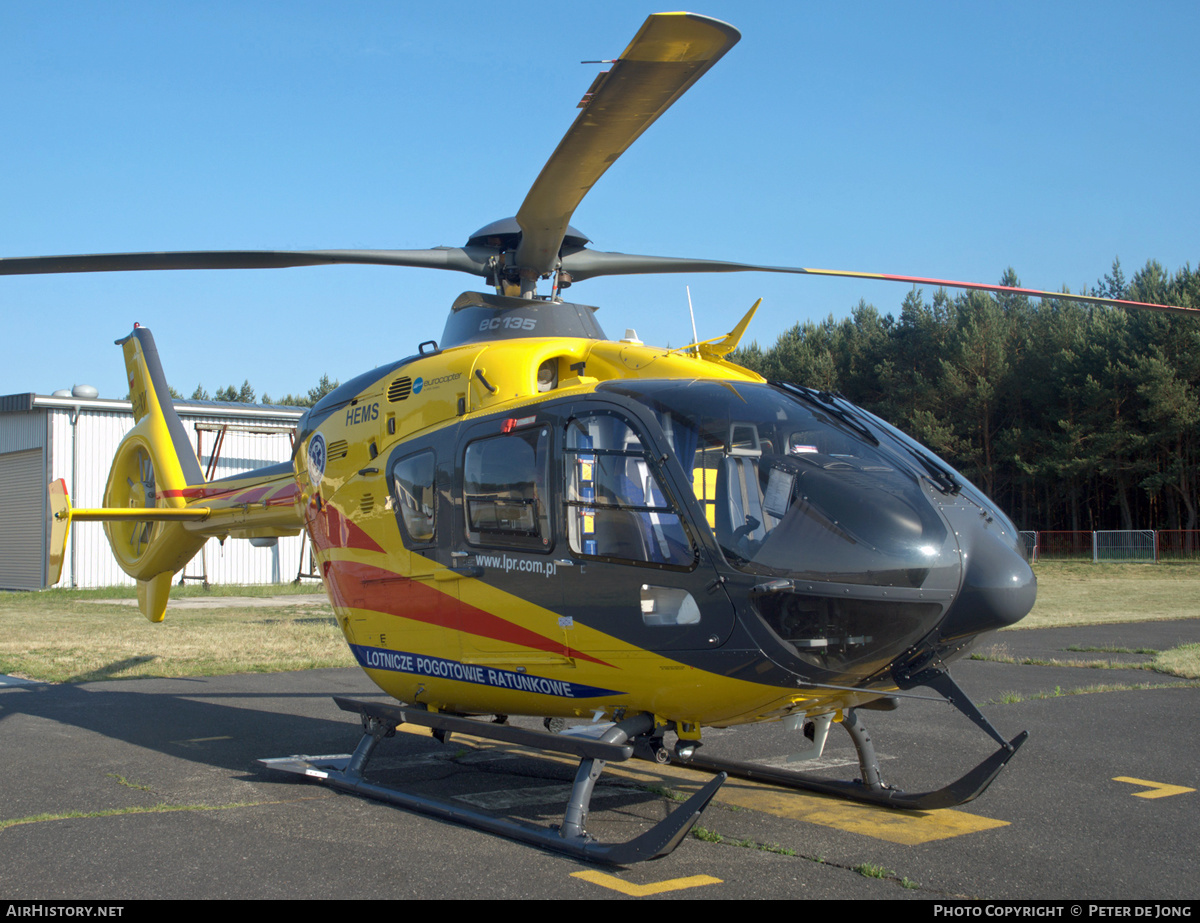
pixel 998 588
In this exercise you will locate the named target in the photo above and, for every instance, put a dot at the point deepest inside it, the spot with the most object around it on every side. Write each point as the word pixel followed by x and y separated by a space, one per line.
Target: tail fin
pixel 151 399
pixel 154 466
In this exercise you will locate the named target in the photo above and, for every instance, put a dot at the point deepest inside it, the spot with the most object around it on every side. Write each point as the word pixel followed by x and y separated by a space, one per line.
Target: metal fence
pixel 1134 545
pixel 1060 546
pixel 1177 545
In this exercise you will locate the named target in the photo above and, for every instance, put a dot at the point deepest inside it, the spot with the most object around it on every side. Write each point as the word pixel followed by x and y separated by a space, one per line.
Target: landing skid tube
pixel 870 789
pixel 345 773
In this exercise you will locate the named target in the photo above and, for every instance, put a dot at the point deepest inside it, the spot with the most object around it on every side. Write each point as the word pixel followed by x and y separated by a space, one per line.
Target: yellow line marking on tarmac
pixel 909 828
pixel 420 731
pixel 658 887
pixel 1154 789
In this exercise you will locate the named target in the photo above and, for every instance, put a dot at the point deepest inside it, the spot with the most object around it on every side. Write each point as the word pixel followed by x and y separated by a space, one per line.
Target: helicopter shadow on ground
pixel 124 744
pixel 166 734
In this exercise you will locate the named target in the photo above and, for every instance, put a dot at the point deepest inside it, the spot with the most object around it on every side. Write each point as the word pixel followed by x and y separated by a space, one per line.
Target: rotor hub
pixel 505 234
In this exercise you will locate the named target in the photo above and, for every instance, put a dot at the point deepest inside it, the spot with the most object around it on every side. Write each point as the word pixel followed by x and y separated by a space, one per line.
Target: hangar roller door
pixel 22 520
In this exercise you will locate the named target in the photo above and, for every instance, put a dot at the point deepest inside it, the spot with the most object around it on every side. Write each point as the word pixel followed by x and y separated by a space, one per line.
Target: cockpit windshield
pixel 792 489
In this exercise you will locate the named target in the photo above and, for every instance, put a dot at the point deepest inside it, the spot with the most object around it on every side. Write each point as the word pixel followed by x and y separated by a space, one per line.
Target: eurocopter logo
pixel 434 382
pixel 316 457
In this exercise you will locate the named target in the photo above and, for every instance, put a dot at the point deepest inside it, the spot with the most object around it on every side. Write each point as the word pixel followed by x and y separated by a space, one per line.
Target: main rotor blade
pixel 473 260
pixel 670 52
pixel 589 264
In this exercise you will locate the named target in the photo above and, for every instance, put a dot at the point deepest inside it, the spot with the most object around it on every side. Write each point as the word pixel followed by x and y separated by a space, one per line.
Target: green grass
pixel 1012 698
pixel 121 780
pixel 116 812
pixel 866 869
pixel 664 791
pixel 1109 649
pixel 1183 661
pixel 1082 593
pixel 1056 662
pixel 71 636
pixel 1179 661
pixel 187 591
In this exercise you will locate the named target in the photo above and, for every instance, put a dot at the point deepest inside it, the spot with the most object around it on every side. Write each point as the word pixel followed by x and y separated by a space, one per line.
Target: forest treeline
pixel 245 394
pixel 1070 417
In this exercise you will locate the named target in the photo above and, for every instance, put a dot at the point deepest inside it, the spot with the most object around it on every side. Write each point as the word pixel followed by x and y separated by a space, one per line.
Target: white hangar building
pixel 75 438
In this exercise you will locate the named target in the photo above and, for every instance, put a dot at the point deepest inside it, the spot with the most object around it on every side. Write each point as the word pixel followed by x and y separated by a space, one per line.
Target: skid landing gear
pixel 346 773
pixel 870 788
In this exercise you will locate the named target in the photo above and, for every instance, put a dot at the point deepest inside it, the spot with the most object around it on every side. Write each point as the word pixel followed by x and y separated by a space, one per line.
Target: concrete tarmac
pixel 149 789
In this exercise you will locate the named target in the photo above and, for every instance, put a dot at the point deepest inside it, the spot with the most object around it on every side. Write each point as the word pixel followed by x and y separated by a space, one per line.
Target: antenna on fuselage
pixel 695 336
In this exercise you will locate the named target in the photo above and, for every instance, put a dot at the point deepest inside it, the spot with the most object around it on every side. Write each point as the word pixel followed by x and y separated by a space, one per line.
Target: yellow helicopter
pixel 526 517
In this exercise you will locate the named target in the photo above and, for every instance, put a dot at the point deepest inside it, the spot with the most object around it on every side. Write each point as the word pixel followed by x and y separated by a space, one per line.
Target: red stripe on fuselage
pixel 285 494
pixel 363 586
pixel 195 493
pixel 329 528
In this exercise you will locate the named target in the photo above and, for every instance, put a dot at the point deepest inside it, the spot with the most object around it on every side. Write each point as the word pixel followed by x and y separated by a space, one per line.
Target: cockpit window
pixel 789 489
pixel 616 504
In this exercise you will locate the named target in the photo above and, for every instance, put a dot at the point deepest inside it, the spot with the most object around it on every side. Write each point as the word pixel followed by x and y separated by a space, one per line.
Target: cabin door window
pixel 505 490
pixel 616 504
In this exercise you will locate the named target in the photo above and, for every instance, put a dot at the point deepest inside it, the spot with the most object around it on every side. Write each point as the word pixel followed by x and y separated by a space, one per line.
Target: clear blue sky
pixel 943 139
